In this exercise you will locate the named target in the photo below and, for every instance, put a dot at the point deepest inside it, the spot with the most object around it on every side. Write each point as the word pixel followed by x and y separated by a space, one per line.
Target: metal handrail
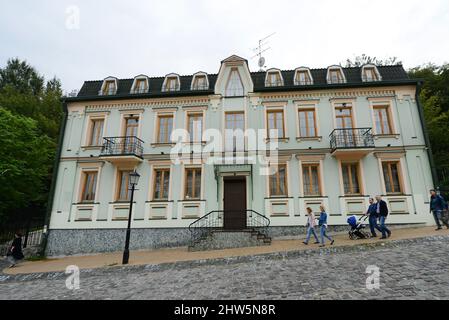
pixel 214 221
pixel 125 145
pixel 351 138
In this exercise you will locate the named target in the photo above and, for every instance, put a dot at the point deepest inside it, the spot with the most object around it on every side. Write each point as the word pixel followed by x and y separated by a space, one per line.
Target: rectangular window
pixel 278 181
pixel 335 76
pixel 382 120
pixel 351 183
pixel 275 123
pixel 311 179
pixel 195 122
pixel 123 190
pixel 274 79
pixel 391 177
pixel 96 133
pixel 307 123
pixel 302 78
pixel 161 184
pixel 370 74
pixel 165 127
pixel 193 184
pixel 235 127
pixel 89 186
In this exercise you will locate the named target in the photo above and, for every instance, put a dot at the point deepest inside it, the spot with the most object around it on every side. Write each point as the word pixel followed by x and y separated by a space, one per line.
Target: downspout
pixel 51 194
pixel 426 135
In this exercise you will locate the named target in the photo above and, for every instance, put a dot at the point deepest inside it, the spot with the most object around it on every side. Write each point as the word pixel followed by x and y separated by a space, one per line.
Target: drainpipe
pixel 426 135
pixel 51 194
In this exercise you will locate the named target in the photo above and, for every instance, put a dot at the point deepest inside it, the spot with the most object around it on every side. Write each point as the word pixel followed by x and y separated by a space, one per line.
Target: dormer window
pixel 171 83
pixel 200 82
pixel 234 87
pixel 370 73
pixel 140 85
pixel 335 75
pixel 274 78
pixel 303 77
pixel 109 87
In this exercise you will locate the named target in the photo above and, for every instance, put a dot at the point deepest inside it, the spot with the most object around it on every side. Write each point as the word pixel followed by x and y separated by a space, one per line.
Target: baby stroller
pixel 357 228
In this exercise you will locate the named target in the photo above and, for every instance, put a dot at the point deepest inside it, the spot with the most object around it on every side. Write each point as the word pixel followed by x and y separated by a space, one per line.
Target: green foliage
pixel 31 115
pixel 359 61
pixel 25 158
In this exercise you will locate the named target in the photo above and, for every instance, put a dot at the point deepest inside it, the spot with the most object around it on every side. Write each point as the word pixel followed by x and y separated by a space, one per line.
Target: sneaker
pixel 316 242
pixel 306 243
pixel 12 266
pixel 439 228
pixel 389 234
pixel 322 245
pixel 332 242
pixel 382 238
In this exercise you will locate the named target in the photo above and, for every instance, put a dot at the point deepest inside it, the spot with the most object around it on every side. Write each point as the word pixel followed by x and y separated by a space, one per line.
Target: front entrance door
pixel 234 203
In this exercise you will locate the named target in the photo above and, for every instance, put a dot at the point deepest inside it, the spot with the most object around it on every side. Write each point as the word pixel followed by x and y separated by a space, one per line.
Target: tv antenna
pixel 261 48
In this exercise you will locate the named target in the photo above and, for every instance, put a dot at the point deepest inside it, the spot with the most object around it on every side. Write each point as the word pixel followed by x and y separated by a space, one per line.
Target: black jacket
pixel 383 208
pixel 16 249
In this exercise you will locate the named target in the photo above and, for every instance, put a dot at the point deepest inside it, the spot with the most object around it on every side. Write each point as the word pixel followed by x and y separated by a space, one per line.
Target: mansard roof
pixel 390 75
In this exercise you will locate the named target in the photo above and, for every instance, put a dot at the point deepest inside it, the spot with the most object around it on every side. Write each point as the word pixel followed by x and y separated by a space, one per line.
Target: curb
pixel 4 278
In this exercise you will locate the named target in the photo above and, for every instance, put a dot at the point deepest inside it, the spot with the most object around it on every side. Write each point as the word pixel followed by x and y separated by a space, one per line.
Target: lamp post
pixel 133 180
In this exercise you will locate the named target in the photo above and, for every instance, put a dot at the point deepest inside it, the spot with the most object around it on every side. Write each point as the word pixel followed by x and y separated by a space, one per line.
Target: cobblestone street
pixel 413 270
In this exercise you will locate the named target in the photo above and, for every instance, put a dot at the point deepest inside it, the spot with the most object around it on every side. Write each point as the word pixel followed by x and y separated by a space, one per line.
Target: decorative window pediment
pixel 335 75
pixel 109 87
pixel 200 81
pixel 370 73
pixel 140 84
pixel 273 78
pixel 303 77
pixel 171 83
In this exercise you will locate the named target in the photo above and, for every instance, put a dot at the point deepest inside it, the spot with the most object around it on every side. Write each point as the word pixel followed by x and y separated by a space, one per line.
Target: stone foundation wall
pixel 64 242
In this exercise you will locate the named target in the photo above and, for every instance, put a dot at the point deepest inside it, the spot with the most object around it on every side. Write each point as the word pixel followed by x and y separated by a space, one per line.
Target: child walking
pixel 322 222
pixel 311 223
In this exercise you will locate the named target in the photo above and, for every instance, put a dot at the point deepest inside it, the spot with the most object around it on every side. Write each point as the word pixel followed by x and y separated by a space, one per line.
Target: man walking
pixel 437 205
pixel 382 211
pixel 373 216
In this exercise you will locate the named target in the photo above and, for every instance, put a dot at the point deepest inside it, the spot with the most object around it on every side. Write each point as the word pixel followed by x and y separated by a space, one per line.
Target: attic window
pixel 335 75
pixel 303 77
pixel 370 73
pixel 200 82
pixel 171 83
pixel 274 79
pixel 140 85
pixel 234 87
pixel 109 88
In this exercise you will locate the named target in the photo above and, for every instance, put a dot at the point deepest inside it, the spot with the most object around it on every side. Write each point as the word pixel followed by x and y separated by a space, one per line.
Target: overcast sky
pixel 127 38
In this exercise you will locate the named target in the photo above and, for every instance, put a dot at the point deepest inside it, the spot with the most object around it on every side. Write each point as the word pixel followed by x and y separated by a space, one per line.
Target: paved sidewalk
pixel 161 256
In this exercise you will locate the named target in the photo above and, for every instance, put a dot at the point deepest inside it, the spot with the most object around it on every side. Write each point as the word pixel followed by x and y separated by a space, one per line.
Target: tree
pixel 25 158
pixel 363 59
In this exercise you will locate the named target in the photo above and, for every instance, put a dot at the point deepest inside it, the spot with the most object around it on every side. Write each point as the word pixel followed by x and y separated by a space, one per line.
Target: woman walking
pixel 311 223
pixel 322 222
pixel 15 251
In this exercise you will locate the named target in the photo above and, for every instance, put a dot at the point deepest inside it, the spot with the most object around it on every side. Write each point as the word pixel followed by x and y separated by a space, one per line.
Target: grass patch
pixel 36 258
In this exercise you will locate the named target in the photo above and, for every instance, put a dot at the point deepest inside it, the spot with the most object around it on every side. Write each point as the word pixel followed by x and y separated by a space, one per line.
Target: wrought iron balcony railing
pixel 122 146
pixel 278 83
pixel 352 138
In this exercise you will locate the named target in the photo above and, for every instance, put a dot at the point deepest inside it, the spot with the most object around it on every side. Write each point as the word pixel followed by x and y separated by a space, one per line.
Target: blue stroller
pixel 357 228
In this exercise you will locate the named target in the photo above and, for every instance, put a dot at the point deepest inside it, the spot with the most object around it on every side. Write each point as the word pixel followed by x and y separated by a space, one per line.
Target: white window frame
pixel 333 68
pixel 103 86
pixel 376 71
pixel 169 76
pixel 298 82
pixel 199 74
pixel 134 88
pixel 268 83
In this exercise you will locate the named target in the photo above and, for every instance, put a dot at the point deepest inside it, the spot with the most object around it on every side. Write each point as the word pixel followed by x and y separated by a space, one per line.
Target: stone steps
pixel 218 240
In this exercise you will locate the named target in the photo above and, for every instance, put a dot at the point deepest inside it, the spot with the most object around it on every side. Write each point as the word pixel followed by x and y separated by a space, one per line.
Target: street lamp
pixel 133 180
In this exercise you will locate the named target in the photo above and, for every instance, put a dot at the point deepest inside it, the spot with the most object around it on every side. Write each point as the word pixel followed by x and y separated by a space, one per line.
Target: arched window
pixel 234 87
pixel 370 73
pixel 171 83
pixel 140 84
pixel 335 74
pixel 200 81
pixel 274 78
pixel 109 86
pixel 303 77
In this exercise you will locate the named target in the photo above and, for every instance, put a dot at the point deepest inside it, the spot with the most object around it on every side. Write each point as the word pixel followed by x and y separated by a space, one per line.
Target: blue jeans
pixel 310 231
pixel 437 217
pixel 324 235
pixel 383 227
pixel 373 225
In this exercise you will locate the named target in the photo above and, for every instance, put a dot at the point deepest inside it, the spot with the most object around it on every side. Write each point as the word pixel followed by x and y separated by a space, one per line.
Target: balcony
pixel 353 143
pixel 122 149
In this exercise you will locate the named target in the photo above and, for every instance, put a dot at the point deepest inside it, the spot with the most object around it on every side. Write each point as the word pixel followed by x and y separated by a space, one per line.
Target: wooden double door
pixel 234 203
